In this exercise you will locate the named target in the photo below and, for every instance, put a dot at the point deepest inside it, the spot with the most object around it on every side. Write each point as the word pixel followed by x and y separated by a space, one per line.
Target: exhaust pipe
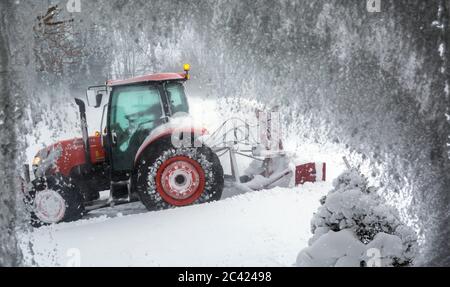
pixel 26 173
pixel 84 131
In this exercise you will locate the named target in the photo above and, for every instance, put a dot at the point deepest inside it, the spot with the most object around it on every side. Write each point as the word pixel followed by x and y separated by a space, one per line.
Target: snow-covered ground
pixel 260 228
pixel 265 228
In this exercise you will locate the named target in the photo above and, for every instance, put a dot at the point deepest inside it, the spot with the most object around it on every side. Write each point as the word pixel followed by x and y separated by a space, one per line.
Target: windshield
pixel 177 98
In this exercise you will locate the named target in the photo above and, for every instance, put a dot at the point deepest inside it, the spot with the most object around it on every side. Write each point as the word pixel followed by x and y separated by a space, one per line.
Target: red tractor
pixel 137 156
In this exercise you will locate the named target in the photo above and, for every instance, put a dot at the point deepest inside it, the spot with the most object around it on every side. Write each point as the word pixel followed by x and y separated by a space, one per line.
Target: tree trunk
pixel 9 251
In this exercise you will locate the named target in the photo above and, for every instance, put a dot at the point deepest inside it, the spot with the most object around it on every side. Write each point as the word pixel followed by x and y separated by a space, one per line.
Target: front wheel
pixel 55 199
pixel 168 177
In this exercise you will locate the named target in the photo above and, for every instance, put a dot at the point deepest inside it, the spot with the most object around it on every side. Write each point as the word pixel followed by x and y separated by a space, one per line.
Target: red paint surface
pixel 165 133
pixel 148 78
pixel 72 153
pixel 307 173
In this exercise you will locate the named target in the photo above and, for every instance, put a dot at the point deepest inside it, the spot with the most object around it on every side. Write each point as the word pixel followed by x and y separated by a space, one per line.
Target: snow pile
pixel 281 174
pixel 355 227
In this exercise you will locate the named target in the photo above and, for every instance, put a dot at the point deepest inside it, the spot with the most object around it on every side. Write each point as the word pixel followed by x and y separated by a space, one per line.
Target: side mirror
pixel 94 98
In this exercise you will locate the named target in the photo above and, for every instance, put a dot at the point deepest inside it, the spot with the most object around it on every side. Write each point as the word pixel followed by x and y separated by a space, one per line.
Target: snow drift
pixel 355 227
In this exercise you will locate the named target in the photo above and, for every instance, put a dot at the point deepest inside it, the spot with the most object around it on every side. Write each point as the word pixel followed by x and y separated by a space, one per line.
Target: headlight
pixel 36 160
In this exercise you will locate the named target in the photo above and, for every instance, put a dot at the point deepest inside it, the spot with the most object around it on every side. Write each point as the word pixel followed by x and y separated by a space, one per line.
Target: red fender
pixel 167 132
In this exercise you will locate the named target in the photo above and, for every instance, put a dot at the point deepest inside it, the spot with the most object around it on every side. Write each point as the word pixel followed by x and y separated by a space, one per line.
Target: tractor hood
pixel 63 156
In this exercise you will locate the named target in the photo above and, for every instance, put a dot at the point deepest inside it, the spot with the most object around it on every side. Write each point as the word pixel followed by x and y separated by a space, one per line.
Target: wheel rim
pixel 180 180
pixel 50 206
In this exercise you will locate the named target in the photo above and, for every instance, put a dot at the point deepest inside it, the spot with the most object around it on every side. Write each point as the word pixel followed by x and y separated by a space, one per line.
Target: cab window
pixel 177 98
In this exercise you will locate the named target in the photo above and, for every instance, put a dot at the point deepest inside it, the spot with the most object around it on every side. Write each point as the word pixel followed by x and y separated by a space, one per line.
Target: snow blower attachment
pixel 270 164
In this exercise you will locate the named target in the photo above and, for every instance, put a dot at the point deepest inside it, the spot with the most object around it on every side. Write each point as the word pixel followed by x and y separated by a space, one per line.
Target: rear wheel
pixel 168 177
pixel 55 200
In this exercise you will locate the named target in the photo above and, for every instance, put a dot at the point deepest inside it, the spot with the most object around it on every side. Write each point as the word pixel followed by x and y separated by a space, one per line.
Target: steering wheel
pixel 143 123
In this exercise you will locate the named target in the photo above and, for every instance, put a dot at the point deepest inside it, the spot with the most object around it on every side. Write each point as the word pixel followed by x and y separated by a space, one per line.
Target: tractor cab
pixel 135 108
pixel 134 111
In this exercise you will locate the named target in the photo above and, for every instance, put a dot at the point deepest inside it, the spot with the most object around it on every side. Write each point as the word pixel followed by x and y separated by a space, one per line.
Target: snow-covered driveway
pixel 262 228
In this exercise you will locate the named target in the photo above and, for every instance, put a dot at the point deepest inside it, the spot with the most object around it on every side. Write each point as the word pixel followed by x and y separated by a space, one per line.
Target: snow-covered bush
pixel 355 227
